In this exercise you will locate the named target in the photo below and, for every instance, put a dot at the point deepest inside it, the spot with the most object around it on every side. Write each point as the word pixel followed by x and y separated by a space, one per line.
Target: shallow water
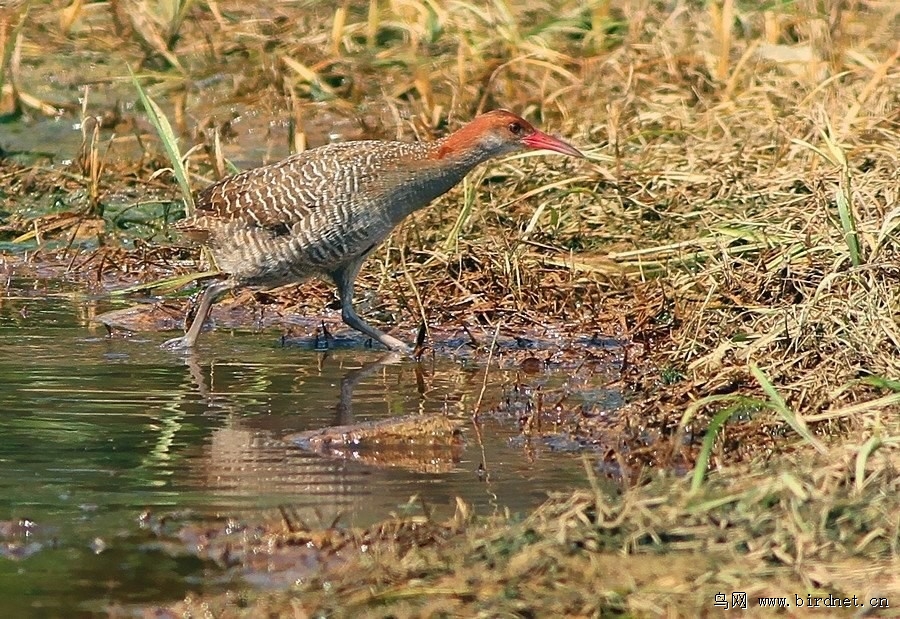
pixel 96 430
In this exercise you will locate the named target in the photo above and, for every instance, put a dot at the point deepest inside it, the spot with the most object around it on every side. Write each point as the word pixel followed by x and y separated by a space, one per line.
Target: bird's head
pixel 500 133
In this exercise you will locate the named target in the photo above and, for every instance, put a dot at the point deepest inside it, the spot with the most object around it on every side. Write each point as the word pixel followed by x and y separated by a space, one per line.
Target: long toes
pixel 176 343
pixel 399 347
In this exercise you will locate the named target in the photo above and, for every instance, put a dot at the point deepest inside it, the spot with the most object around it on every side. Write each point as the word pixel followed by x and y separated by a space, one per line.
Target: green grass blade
pixel 709 440
pixel 777 403
pixel 848 225
pixel 862 457
pixel 452 240
pixel 170 144
pixel 881 382
pixel 168 283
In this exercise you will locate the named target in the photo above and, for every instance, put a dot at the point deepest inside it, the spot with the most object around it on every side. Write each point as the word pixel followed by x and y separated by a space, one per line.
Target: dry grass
pixel 737 225
pixel 821 526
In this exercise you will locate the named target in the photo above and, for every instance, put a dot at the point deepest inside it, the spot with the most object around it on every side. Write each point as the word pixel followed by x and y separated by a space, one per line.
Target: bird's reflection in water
pixel 352 378
pixel 247 457
pixel 348 382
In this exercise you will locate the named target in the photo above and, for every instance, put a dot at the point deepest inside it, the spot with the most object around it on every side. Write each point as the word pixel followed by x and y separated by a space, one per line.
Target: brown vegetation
pixel 736 226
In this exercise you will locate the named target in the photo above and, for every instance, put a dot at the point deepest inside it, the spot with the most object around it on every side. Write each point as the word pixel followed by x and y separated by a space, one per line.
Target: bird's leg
pixel 344 279
pixel 210 295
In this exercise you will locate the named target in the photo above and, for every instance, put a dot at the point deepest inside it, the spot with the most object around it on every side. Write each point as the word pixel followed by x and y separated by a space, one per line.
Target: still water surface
pixel 94 431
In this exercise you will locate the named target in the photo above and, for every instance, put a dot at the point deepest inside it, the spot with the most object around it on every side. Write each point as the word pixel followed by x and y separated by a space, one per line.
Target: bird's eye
pixel 515 128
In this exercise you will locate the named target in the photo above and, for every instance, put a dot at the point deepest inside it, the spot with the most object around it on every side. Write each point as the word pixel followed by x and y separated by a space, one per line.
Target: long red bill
pixel 540 140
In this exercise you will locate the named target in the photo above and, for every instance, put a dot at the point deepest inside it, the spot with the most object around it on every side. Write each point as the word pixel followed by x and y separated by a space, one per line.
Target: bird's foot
pixel 177 344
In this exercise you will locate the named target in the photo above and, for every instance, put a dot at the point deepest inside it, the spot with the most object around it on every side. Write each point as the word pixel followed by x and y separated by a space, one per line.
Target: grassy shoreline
pixel 815 527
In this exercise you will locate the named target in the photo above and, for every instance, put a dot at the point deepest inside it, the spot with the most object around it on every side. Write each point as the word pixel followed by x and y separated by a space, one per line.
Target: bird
pixel 323 211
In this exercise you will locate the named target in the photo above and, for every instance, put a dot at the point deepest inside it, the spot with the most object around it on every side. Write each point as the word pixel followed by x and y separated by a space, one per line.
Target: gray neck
pixel 432 178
